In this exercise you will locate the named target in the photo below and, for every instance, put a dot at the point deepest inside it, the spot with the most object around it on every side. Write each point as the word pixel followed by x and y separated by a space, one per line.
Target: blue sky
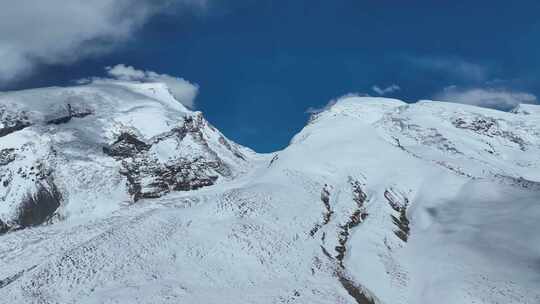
pixel 262 64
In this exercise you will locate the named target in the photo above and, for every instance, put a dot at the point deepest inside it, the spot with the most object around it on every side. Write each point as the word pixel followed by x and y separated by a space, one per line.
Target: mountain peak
pixel 78 147
pixel 370 109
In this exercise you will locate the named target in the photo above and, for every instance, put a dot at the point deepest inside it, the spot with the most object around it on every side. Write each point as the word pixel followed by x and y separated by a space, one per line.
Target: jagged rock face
pixel 151 176
pixel 70 151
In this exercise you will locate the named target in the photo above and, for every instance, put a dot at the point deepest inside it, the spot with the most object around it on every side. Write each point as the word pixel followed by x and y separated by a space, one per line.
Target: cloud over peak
pixel 384 91
pixel 38 32
pixel 497 98
pixel 451 66
pixel 182 90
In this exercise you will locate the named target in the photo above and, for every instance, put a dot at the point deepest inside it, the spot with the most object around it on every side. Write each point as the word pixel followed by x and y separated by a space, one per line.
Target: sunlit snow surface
pixel 467 178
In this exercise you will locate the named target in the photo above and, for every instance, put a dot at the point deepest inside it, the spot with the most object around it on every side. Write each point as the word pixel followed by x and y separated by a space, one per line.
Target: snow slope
pixel 374 201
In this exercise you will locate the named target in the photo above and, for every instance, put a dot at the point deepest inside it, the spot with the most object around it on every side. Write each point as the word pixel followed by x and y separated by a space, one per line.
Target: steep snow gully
pixel 114 192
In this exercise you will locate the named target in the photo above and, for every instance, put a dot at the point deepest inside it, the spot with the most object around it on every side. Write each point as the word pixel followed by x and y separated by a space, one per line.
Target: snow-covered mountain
pixel 68 152
pixel 125 196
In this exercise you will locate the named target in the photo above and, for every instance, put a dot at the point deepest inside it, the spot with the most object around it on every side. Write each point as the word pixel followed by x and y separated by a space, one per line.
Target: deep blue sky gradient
pixel 261 64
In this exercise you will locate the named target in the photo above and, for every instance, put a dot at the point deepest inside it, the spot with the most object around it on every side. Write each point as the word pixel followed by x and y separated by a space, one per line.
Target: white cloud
pixel 126 72
pixel 182 90
pixel 388 90
pixel 35 32
pixel 453 66
pixel 502 99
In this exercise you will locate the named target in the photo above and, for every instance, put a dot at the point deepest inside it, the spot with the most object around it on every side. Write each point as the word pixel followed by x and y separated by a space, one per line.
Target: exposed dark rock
pixel 3 228
pixel 325 199
pixel 515 139
pixel 16 126
pixel 149 178
pixel 519 181
pixel 489 127
pixel 399 203
pixel 326 253
pixel 359 214
pixel 275 158
pixel 39 206
pixel 359 196
pixel 71 113
pixel 354 290
pixel 453 168
pixel 479 124
pixel 7 156
pixel 7 181
pixel 37 197
pixel 239 155
pixel 11 122
pixel 183 175
pixel 59 120
pixel 403 224
pixel 180 177
pixel 127 145
pixel 66 119
pixel 8 280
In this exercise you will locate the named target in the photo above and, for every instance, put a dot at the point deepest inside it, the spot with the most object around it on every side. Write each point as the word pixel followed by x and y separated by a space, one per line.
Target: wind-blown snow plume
pixel 316 110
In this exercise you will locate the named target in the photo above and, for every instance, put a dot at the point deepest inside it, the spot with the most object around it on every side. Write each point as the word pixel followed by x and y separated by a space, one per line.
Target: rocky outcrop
pixel 7 156
pixel 356 291
pixel 519 181
pixel 12 121
pixel 489 127
pixel 28 184
pixel 37 207
pixel 151 176
pixel 358 215
pixel 94 147
pixel 325 199
pixel 70 113
pixel 399 204
pixel 3 227
pixel 126 146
